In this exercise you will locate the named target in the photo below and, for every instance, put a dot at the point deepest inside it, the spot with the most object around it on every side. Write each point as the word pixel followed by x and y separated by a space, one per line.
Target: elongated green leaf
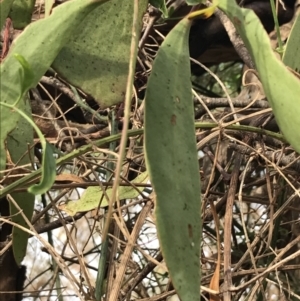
pixel 17 143
pixel 96 58
pixel 291 55
pixel 280 85
pixel 20 137
pixel 48 165
pixel 26 201
pixel 92 196
pixel 172 161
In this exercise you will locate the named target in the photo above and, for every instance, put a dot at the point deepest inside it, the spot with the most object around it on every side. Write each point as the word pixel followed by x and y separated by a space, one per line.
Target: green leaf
pixel 96 58
pixel 172 162
pixel 25 201
pixel 291 55
pixel 48 164
pixel 21 12
pixel 20 137
pixel 280 85
pixel 19 140
pixel 5 6
pixel 39 44
pixel 93 195
pixel 17 143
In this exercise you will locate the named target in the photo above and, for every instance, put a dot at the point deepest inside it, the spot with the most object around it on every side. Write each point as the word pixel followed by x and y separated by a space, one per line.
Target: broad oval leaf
pixel 39 44
pixel 96 58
